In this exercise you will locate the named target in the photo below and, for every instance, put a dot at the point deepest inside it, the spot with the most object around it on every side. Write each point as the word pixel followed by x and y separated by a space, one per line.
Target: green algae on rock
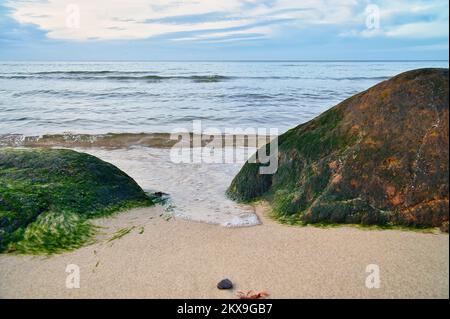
pixel 47 197
pixel 378 158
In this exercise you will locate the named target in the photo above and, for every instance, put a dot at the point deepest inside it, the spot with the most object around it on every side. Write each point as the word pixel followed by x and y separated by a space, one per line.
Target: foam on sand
pixel 197 190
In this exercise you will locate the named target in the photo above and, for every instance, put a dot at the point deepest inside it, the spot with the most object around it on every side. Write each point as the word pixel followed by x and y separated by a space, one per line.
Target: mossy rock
pixel 47 197
pixel 380 157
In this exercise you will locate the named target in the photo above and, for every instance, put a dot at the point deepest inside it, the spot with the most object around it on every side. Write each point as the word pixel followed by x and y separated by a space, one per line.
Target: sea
pixel 130 103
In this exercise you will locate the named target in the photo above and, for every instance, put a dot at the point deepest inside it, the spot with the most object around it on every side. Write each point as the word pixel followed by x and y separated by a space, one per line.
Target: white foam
pixel 197 190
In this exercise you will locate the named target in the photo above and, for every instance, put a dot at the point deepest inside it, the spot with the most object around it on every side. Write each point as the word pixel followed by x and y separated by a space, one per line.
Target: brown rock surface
pixel 379 157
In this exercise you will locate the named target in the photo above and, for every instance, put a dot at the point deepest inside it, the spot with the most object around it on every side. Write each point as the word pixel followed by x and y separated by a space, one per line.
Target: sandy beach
pixel 175 258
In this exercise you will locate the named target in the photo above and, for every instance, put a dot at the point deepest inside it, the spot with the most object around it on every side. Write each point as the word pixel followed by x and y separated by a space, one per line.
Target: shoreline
pixel 125 140
pixel 176 258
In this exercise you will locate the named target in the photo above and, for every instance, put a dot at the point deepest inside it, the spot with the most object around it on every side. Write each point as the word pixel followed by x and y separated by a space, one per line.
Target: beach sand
pixel 162 258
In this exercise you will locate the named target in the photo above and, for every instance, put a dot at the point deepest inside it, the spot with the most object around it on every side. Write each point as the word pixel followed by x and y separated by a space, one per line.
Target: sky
pixel 224 30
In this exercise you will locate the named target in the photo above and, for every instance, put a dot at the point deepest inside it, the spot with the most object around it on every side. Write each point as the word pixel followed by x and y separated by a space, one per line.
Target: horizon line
pixel 231 60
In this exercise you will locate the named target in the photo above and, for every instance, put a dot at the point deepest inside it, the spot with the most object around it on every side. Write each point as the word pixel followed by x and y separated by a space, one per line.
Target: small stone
pixel 159 194
pixel 225 284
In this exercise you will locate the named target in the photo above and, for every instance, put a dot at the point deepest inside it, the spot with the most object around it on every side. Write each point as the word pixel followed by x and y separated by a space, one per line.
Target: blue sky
pixel 223 30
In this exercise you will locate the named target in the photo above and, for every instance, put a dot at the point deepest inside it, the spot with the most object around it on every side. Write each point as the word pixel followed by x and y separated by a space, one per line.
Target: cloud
pixel 435 29
pixel 232 35
pixel 140 19
pixel 112 19
pixel 225 20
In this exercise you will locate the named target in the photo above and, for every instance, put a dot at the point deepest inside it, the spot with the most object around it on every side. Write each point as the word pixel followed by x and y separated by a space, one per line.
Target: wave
pixel 152 77
pixel 75 72
pixel 115 76
pixel 247 96
pixel 101 72
pixel 355 78
pixel 126 140
pixel 240 97
pixel 85 94
pixel 359 78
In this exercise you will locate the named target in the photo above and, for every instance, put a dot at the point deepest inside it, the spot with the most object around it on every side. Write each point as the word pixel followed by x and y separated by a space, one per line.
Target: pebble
pixel 225 284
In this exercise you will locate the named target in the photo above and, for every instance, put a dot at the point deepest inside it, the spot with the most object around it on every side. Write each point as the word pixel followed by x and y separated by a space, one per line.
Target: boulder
pixel 380 157
pixel 47 196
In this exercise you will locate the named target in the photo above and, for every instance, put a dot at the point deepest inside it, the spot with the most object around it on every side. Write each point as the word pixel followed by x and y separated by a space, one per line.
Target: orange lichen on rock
pixel 396 200
pixel 336 179
pixel 333 165
pixel 391 162
pixel 390 190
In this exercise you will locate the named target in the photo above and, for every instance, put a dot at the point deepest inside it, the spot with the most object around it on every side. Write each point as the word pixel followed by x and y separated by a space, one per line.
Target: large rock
pixel 47 195
pixel 379 157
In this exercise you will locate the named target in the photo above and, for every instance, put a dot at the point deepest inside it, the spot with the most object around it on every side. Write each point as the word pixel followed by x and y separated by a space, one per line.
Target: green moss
pixel 53 233
pixel 301 177
pixel 383 96
pixel 295 220
pixel 249 184
pixel 354 211
pixel 121 232
pixel 300 223
pixel 317 138
pixel 305 145
pixel 47 197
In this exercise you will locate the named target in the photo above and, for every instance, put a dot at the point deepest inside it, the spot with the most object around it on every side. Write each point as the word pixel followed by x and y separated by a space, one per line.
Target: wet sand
pixel 163 258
